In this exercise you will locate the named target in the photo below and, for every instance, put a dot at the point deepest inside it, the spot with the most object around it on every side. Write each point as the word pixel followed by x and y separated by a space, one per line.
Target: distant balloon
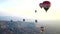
pixel 41 5
pixel 42 29
pixel 35 11
pixel 46 5
pixel 23 19
pixel 36 21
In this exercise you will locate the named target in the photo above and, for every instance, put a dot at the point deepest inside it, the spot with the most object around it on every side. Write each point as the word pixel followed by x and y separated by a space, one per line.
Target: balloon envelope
pixel 46 2
pixel 46 5
pixel 41 5
pixel 36 21
pixel 23 19
pixel 35 11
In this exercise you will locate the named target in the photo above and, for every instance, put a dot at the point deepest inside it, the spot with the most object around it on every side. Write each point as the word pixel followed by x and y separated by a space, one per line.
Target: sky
pixel 26 9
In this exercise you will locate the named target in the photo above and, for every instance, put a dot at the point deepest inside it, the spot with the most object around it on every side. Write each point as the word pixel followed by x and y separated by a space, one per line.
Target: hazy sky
pixel 26 8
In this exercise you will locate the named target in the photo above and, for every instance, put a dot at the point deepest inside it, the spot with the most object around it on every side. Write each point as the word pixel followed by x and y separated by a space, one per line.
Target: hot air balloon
pixel 36 21
pixel 35 11
pixel 23 19
pixel 41 29
pixel 41 5
pixel 46 5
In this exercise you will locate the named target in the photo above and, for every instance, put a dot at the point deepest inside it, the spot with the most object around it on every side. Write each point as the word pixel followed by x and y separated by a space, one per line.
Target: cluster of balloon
pixel 46 5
